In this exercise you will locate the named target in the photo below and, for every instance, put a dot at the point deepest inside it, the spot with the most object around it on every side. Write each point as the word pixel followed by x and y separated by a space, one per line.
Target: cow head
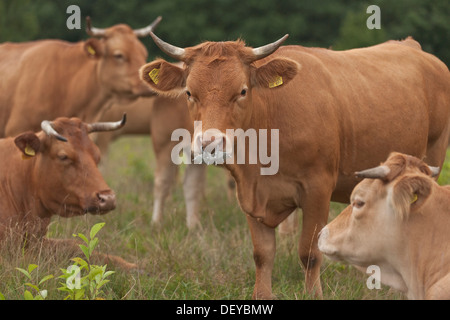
pixel 120 54
pixel 219 80
pixel 64 174
pixel 381 204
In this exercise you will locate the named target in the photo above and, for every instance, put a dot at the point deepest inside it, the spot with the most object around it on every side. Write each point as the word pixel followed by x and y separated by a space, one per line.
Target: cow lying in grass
pixel 53 172
pixel 399 220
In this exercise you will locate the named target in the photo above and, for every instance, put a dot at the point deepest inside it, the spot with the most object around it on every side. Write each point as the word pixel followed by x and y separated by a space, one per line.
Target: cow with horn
pixel 398 223
pixel 46 79
pixel 53 172
pixel 336 112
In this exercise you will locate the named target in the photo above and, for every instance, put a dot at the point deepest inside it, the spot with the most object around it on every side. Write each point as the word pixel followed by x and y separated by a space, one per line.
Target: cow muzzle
pixel 211 147
pixel 104 202
pixel 323 243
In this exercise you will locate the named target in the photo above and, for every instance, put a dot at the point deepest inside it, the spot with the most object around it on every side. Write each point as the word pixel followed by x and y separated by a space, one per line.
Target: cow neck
pixel 19 186
pixel 248 177
pixel 427 244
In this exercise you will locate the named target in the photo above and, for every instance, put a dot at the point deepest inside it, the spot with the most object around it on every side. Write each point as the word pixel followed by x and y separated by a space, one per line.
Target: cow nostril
pixel 106 200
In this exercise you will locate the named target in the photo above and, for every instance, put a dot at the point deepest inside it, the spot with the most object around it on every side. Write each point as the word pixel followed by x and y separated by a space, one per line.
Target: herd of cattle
pixel 339 115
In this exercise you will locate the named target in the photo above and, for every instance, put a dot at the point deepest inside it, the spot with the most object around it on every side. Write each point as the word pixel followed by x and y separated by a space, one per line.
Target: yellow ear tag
pixel 29 151
pixel 154 75
pixel 414 199
pixel 91 50
pixel 277 82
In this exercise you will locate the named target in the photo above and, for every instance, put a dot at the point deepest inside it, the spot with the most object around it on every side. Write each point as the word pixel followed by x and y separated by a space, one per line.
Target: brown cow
pixel 336 112
pixel 399 221
pixel 46 79
pixel 53 172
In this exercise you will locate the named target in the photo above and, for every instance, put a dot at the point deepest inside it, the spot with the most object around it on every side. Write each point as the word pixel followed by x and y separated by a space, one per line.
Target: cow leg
pixel 315 209
pixel 193 188
pixel 71 245
pixel 263 238
pixel 165 176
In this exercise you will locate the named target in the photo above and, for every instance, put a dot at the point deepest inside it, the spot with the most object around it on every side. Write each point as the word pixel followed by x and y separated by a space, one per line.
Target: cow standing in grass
pixel 337 112
pixel 159 116
pixel 53 172
pixel 46 79
pixel 399 221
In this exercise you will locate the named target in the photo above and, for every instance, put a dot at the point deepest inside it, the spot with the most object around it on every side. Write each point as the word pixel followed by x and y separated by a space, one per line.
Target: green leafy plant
pixel 84 280
pixel 34 284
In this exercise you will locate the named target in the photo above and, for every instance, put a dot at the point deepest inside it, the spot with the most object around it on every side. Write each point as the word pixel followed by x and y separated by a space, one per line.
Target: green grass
pixel 212 263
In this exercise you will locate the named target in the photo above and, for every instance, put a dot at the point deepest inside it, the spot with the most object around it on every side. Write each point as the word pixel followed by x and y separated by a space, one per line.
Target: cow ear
pixel 28 143
pixel 93 48
pixel 411 192
pixel 275 73
pixel 163 77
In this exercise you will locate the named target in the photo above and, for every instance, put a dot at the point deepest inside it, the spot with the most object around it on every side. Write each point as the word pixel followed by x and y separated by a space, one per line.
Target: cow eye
pixel 119 56
pixel 188 93
pixel 358 204
pixel 243 92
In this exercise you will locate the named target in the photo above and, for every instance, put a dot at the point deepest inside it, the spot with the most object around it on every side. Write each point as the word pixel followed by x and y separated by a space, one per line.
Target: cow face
pixel 120 54
pixel 373 226
pixel 219 80
pixel 65 176
pixel 363 229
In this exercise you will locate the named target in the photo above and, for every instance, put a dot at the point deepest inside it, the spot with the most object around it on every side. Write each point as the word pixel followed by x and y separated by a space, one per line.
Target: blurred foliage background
pixel 340 24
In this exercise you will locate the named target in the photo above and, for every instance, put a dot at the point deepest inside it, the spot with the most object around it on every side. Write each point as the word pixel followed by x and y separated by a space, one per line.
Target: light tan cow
pixel 398 220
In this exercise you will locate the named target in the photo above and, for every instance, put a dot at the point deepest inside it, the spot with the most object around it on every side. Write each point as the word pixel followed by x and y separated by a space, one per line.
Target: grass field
pixel 214 262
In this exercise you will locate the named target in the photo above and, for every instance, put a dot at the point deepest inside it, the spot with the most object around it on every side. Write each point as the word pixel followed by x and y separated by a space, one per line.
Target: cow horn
pixel 145 31
pixel 434 171
pixel 94 32
pixel 48 129
pixel 264 51
pixel 170 50
pixel 107 126
pixel 379 172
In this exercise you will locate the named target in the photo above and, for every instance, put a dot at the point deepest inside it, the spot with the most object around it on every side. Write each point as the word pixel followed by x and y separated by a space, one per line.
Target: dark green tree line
pixel 340 24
